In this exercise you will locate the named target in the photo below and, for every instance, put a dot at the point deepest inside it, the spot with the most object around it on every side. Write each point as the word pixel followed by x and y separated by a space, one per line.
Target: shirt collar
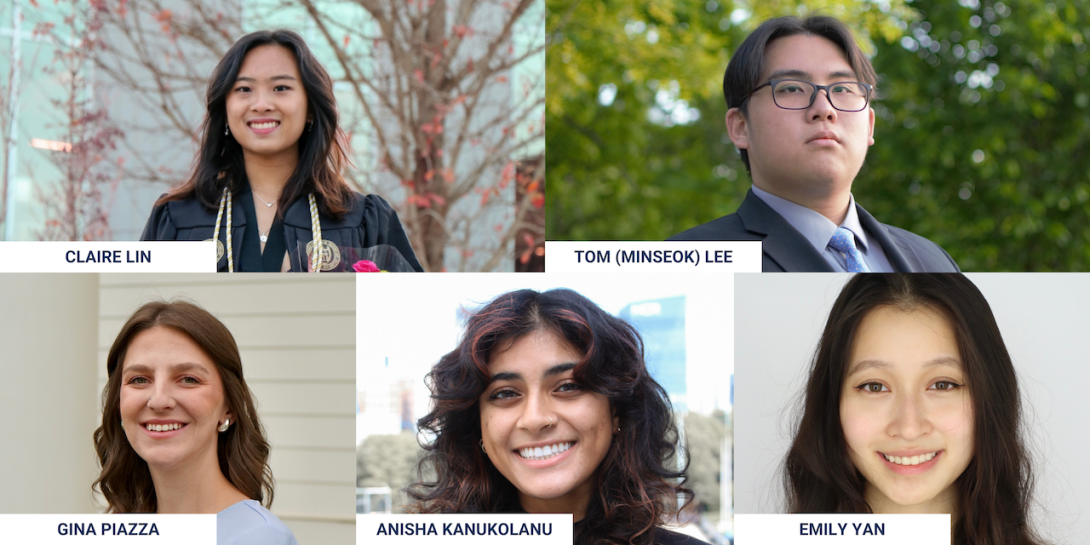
pixel 817 228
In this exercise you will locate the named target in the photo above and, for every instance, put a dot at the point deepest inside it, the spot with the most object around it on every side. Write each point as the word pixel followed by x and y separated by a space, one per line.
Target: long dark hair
pixel 243 451
pixel 322 152
pixel 993 493
pixel 634 490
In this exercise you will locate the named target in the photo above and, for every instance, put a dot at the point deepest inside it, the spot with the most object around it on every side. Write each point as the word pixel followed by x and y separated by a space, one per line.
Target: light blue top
pixel 819 231
pixel 248 523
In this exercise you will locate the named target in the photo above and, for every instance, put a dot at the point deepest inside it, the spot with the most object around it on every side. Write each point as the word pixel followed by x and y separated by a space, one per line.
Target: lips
pixel 911 462
pixel 824 137
pixel 163 428
pixel 263 125
pixel 544 454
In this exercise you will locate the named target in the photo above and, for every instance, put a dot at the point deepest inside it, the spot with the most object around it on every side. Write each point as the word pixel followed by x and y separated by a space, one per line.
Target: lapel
pixel 903 258
pixel 782 243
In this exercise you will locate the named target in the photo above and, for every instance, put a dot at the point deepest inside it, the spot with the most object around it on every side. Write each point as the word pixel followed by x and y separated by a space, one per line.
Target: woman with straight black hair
pixel 267 184
pixel 546 406
pixel 912 406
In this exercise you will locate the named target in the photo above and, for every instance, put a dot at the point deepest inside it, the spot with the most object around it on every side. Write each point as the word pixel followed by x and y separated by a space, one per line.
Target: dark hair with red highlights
pixel 635 488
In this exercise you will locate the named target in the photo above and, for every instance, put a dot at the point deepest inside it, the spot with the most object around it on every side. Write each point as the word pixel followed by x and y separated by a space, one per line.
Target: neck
pixel 198 487
pixel 944 503
pixel 831 203
pixel 574 502
pixel 269 174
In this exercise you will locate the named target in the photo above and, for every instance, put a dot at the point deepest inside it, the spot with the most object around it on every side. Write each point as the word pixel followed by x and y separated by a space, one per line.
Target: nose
pixel 537 414
pixel 162 398
pixel 910 420
pixel 261 103
pixel 822 108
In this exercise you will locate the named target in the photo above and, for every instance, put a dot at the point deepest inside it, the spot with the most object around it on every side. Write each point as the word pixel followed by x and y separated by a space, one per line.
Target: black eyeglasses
pixel 794 94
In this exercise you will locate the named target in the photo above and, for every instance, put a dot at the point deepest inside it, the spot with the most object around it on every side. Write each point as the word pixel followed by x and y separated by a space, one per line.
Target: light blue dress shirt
pixel 819 230
pixel 248 523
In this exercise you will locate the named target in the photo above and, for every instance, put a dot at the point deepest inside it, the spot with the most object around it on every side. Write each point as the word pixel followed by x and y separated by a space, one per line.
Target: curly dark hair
pixel 635 487
pixel 994 490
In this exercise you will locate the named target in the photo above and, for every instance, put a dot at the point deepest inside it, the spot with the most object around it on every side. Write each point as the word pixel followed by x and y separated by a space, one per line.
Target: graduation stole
pixel 227 201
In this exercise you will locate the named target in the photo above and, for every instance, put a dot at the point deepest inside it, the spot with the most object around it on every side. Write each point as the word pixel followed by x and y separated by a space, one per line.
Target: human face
pixel 267 106
pixel 805 156
pixel 168 380
pixel 905 396
pixel 534 403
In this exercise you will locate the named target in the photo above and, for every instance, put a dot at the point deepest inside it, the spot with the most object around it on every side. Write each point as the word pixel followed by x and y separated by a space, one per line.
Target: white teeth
pixel 544 453
pixel 911 460
pixel 163 427
pixel 266 125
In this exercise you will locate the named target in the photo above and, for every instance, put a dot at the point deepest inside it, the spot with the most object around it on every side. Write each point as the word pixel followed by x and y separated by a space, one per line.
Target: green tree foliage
pixel 981 134
pixel 389 460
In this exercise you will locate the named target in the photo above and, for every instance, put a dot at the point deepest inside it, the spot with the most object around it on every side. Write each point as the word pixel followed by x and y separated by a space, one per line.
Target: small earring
pixel 310 125
pixel 227 131
pixel 618 429
pixel 226 424
pixel 482 447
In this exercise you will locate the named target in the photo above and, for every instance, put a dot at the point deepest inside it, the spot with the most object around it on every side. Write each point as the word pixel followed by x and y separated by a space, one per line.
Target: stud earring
pixel 482 447
pixel 227 131
pixel 226 424
pixel 310 125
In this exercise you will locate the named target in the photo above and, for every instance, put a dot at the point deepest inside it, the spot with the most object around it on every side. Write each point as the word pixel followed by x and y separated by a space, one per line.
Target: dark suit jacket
pixel 786 250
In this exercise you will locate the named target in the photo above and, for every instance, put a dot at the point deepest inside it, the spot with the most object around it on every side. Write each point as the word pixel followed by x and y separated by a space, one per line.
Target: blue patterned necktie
pixel 844 241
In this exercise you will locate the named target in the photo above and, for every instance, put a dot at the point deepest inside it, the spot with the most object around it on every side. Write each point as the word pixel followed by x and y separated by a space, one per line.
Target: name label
pixel 613 257
pixel 884 529
pixel 97 256
pixel 108 529
pixel 464 529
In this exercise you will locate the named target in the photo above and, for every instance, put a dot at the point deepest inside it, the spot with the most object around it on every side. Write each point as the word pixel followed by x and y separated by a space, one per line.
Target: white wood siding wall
pixel 296 335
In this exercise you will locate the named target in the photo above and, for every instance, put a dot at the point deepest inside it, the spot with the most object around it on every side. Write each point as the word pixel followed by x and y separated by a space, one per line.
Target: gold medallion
pixel 330 256
pixel 219 249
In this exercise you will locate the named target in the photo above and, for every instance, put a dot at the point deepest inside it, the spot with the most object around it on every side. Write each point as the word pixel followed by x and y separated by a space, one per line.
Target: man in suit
pixel 799 95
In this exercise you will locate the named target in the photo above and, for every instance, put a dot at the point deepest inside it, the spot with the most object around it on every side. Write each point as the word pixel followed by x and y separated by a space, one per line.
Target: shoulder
pixel 167 218
pixel 670 537
pixel 185 213
pixel 932 256
pixel 729 227
pixel 247 522
pixel 363 210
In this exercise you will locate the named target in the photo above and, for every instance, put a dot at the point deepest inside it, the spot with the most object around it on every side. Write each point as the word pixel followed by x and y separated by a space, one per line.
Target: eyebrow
pixel 802 74
pixel 274 78
pixel 177 368
pixel 557 369
pixel 882 364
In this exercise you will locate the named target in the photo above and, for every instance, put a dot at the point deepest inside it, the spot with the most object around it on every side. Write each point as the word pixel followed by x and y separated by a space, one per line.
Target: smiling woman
pixel 912 406
pixel 546 406
pixel 180 432
pixel 268 185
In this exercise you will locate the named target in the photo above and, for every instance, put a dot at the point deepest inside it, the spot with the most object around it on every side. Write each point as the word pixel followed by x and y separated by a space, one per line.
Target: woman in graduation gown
pixel 267 186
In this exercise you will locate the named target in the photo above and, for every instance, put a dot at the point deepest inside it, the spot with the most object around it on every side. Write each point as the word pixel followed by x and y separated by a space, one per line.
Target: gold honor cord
pixel 316 234
pixel 315 227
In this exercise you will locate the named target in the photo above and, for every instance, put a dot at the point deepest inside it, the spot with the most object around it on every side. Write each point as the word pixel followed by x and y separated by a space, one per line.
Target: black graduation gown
pixel 370 222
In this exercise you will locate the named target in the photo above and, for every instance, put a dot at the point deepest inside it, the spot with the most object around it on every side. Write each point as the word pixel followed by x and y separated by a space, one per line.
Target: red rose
pixel 364 265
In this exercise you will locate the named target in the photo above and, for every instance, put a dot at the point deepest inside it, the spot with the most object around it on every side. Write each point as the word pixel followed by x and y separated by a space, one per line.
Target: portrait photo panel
pixel 257 369
pixel 479 380
pixel 1020 382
